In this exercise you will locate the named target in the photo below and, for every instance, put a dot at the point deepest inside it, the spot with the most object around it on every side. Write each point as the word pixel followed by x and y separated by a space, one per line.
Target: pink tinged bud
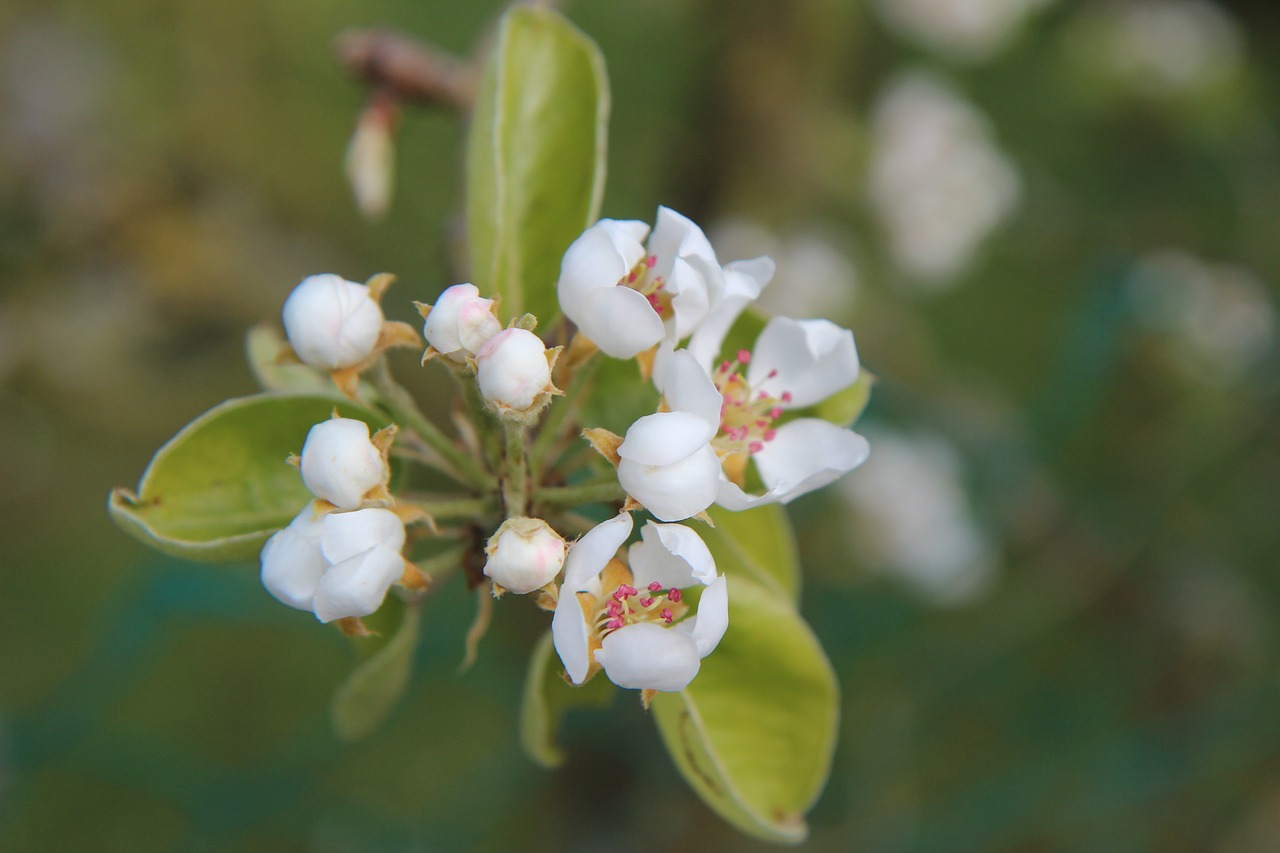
pixel 340 464
pixel 332 323
pixel 654 587
pixel 460 322
pixel 674 596
pixel 512 370
pixel 525 554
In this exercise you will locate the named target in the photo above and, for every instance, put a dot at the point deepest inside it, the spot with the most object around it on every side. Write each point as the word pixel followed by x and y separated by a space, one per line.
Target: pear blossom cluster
pixel 735 428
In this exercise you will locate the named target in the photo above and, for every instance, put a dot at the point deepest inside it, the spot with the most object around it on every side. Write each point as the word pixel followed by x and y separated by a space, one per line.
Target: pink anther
pixel 770 434
pixel 755 447
pixel 646 602
pixel 666 615
pixel 674 596
pixel 654 587
pixel 744 356
pixel 651 261
pixel 614 624
pixel 786 396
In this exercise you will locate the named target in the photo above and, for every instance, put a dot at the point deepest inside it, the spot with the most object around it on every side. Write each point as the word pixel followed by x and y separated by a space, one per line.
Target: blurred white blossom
pixel 913 519
pixel 1220 315
pixel 815 277
pixel 963 30
pixel 938 182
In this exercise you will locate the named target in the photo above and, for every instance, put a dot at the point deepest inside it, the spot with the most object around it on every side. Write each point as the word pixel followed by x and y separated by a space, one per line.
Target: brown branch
pixel 407 68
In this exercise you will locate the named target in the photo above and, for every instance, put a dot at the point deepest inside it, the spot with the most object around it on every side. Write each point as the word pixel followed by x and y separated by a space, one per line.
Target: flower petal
pixel 599 258
pixel 743 283
pixel 677 491
pixel 645 656
pixel 356 587
pixel 292 562
pixel 808 454
pixel 686 385
pixel 813 359
pixel 671 554
pixel 689 284
pixel 571 635
pixel 347 534
pixel 666 437
pixel 588 556
pixel 620 321
pixel 713 616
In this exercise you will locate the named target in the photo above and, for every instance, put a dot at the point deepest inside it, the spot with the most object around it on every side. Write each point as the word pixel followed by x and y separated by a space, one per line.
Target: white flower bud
pixel 362 549
pixel 524 554
pixel 332 323
pixel 292 561
pixel 513 370
pixel 460 322
pixel 340 463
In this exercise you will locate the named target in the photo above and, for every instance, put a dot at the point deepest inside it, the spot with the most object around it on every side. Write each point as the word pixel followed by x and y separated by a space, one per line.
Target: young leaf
pixel 755 731
pixel 535 157
pixel 547 697
pixel 263 345
pixel 758 543
pixel 221 486
pixel 370 693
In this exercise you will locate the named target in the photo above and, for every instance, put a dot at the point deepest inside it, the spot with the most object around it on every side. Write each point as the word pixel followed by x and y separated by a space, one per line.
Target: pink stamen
pixel 627 589
pixel 772 373
pixel 724 366
pixel 755 447
pixel 674 596
pixel 770 434
pixel 762 423
pixel 763 395
pixel 655 586
pixel 666 615
pixel 646 602
pixel 614 624
pixel 651 261
pixel 775 412
pixel 613 609
pixel 744 357
pixel 631 278
pixel 786 396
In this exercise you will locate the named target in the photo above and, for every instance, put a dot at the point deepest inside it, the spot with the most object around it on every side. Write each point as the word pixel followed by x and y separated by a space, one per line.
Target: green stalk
pixel 515 475
pixel 447 509
pixel 565 496
pixel 484 422
pixel 456 462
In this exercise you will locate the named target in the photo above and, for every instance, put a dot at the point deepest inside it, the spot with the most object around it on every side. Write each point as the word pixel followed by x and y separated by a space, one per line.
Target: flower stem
pixel 515 476
pixel 446 509
pixel 484 422
pixel 559 413
pixel 455 462
pixel 605 492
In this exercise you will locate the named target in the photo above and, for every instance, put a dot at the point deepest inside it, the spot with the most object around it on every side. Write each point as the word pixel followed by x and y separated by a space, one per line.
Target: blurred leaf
pixel 535 157
pixel 757 543
pixel 547 697
pixel 221 486
pixel 370 693
pixel 755 732
pixel 263 345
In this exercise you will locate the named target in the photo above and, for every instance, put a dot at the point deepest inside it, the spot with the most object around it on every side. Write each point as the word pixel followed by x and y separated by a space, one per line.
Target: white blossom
pixel 332 323
pixel 292 561
pixel 668 465
pixel 634 623
pixel 524 554
pixel 460 322
pixel 341 464
pixel 627 295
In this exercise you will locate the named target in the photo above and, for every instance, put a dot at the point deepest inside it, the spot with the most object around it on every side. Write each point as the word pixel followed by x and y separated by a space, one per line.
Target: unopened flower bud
pixel 292 561
pixel 363 550
pixel 332 323
pixel 524 554
pixel 460 322
pixel 514 371
pixel 341 464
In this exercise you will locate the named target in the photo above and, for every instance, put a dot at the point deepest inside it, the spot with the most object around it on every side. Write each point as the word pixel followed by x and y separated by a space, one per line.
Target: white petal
pixel 620 321
pixel 357 586
pixel 690 284
pixel 571 635
pixel 677 491
pixel 476 324
pixel 808 454
pixel 813 359
pixel 588 556
pixel 339 462
pixel 743 283
pixel 347 534
pixel 713 616
pixel 687 387
pixel 645 656
pixel 331 322
pixel 666 437
pixel 512 369
pixel 292 562
pixel 673 555
pixel 674 236
pixel 599 258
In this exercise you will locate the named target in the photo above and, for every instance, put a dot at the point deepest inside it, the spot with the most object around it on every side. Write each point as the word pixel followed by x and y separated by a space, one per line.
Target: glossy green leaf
pixel 221 486
pixel 758 543
pixel 535 157
pixel 755 732
pixel 547 698
pixel 371 692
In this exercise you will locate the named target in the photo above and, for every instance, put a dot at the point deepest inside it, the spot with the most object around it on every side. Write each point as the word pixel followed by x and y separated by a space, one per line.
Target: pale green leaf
pixel 535 157
pixel 263 347
pixel 370 693
pixel 758 543
pixel 755 731
pixel 547 698
pixel 221 486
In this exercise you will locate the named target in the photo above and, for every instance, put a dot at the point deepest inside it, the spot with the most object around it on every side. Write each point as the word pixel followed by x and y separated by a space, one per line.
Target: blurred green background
pixel 1051 597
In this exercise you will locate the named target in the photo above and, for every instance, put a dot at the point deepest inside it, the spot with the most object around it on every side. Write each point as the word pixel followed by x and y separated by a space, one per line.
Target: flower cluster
pixel 733 429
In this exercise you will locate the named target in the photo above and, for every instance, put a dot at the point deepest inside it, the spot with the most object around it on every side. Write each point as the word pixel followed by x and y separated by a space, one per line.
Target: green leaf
pixel 756 543
pixel 263 345
pixel 535 157
pixel 843 407
pixel 371 692
pixel 221 486
pixel 755 731
pixel 547 698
